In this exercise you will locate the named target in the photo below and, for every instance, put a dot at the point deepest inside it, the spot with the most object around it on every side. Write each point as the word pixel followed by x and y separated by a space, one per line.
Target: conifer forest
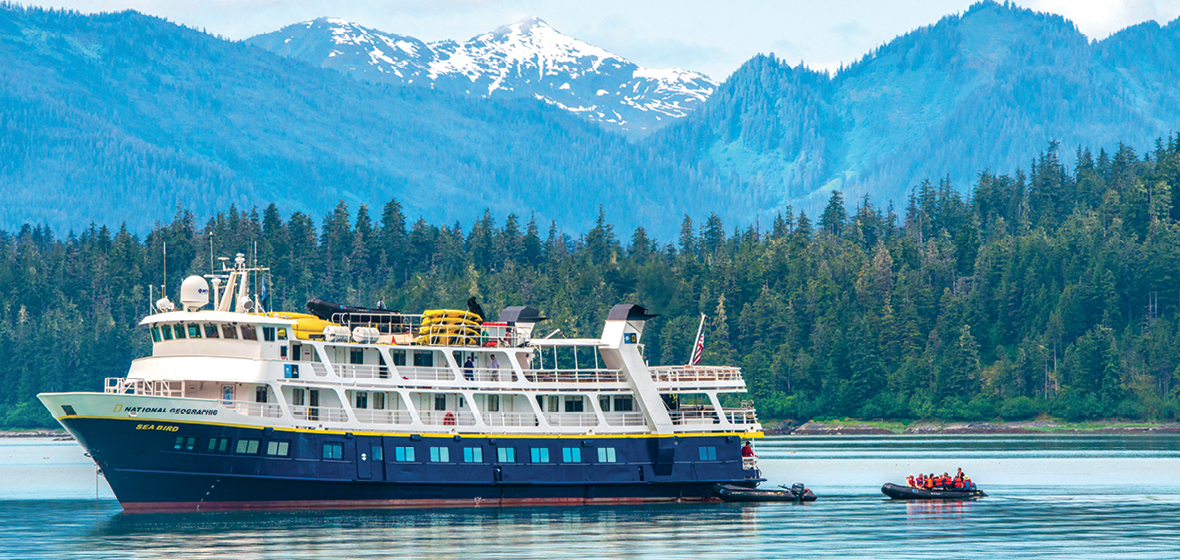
pixel 1052 291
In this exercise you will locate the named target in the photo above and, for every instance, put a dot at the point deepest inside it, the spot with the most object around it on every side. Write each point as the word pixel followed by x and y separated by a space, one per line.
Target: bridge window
pixel 249 332
pixel 278 448
pixel 179 328
pixel 440 455
pixel 155 333
pixel 229 332
pixel 708 453
pixel 210 330
pixel 166 330
pixel 571 454
pixel 403 454
pixel 540 454
pixel 606 455
pixel 334 450
pixel 268 334
pixel 506 454
pixel 194 331
pixel 472 454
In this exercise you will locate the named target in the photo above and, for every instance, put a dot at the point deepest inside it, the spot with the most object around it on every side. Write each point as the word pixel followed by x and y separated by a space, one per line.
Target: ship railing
pixel 749 463
pixel 571 419
pixel 740 415
pixel 704 416
pixel 319 413
pixel 695 374
pixel 148 387
pixel 421 373
pixel 358 371
pixel 501 375
pixel 625 418
pixel 574 375
pixel 447 417
pixel 383 416
pixel 511 419
pixel 248 408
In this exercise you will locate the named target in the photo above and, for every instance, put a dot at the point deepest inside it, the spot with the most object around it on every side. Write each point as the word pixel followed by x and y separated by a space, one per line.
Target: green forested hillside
pixel 1052 291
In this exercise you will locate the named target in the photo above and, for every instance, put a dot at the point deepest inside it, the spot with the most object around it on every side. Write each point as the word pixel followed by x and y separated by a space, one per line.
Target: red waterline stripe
pixel 174 507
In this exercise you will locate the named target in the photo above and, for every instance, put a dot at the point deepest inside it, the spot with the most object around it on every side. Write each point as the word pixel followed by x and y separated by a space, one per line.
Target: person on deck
pixel 748 450
pixel 469 369
pixel 496 368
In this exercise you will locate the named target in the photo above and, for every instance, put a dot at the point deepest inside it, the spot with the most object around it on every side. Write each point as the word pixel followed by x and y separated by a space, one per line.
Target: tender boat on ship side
pixel 240 409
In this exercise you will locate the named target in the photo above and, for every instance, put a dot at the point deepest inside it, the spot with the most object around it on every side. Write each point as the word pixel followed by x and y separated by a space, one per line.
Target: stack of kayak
pixel 449 326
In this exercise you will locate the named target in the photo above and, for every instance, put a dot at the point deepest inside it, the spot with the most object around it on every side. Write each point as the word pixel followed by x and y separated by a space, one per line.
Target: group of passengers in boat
pixel 945 482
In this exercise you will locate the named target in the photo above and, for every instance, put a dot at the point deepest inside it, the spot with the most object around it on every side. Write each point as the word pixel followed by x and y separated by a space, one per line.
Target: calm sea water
pixel 1071 497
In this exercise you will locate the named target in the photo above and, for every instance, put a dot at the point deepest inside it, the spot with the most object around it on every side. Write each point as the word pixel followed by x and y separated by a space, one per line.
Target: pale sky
pixel 703 35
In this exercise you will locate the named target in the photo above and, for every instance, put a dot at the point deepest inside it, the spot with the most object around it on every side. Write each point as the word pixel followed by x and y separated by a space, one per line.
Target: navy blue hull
pixel 169 466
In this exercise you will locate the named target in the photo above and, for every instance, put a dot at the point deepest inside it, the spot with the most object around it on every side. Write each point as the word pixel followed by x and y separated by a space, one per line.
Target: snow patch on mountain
pixel 528 58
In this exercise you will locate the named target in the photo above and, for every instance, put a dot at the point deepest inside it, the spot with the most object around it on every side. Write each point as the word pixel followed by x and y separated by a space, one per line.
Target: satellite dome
pixel 194 293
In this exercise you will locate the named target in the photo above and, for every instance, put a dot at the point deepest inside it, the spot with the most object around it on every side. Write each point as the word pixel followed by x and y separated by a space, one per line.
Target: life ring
pixel 449 419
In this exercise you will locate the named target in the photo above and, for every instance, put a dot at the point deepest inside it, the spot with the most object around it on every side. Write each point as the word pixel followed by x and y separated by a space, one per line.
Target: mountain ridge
pixel 527 58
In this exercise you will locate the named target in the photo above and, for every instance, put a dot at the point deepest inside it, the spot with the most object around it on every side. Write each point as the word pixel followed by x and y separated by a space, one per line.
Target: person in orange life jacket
pixel 947 483
pixel 909 480
pixel 748 450
pixel 930 482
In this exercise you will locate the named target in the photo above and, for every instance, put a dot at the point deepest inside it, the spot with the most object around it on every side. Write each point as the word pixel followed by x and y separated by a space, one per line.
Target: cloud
pixel 616 35
pixel 1100 18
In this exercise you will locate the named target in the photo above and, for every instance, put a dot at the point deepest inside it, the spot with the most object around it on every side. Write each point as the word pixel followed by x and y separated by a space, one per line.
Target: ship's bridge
pixel 219 333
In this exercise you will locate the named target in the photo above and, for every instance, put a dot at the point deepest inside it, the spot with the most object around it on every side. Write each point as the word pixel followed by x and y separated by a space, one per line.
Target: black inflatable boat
pixel 906 493
pixel 731 493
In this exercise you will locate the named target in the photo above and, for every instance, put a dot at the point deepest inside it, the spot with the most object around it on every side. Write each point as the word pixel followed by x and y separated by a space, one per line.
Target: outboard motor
pixel 798 490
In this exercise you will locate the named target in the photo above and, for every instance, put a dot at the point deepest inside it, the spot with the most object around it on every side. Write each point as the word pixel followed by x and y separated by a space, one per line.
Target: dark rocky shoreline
pixel 854 428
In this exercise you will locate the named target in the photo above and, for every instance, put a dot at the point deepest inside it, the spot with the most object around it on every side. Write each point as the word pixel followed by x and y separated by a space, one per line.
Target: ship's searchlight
pixel 194 293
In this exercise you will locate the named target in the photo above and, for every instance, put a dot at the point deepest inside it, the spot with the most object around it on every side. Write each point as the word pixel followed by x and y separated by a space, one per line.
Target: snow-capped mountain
pixel 527 58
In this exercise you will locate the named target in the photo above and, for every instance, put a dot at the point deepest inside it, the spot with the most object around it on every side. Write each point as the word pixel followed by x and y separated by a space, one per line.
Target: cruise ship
pixel 238 408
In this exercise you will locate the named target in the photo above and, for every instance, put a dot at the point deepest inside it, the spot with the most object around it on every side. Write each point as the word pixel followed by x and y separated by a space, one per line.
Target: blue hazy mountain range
pixel 124 118
pixel 986 90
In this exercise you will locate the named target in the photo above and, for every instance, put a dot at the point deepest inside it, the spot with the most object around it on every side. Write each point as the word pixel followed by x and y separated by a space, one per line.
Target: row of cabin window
pixel 492 402
pixel 181 331
pixel 246 446
pixel 335 451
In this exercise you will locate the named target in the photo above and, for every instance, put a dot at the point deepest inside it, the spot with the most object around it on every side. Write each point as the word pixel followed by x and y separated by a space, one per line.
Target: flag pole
pixel 698 345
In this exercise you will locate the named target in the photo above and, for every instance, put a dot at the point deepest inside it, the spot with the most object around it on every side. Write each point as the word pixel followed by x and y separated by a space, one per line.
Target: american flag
pixel 699 347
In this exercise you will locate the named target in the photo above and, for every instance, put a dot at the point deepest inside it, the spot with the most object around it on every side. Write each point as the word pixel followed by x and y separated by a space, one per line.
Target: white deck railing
pixel 625 418
pixel 695 374
pixel 319 413
pixel 151 388
pixel 574 375
pixel 512 419
pixel 248 408
pixel 571 419
pixel 740 415
pixel 447 417
pixel 383 416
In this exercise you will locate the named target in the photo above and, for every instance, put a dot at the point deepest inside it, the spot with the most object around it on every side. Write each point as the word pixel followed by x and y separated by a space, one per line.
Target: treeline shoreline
pixel 1051 293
